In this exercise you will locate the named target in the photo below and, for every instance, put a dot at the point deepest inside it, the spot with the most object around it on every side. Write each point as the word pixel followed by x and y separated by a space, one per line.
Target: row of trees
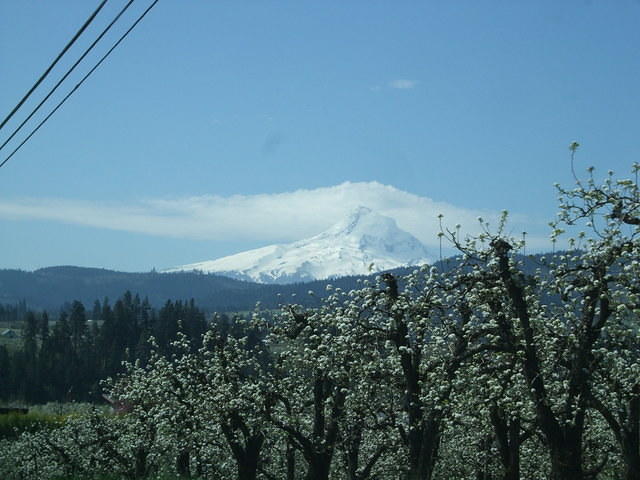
pixel 66 361
pixel 12 314
pixel 477 372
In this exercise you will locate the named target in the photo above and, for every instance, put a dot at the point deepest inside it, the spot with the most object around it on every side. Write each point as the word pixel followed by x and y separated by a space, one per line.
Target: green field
pixel 13 424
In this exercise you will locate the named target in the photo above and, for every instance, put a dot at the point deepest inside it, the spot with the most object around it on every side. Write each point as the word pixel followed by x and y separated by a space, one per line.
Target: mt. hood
pixel 362 243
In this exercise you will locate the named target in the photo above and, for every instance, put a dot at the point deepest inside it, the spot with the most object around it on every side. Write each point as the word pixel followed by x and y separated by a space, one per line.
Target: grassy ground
pixel 13 424
pixel 12 344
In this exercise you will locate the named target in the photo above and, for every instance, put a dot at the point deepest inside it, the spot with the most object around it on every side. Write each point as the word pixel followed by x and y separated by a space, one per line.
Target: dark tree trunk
pixel 248 464
pixel 247 454
pixel 565 466
pixel 424 450
pixel 357 468
pixel 424 426
pixel 324 429
pixel 182 464
pixel 564 442
pixel 566 453
pixel 632 465
pixel 291 461
pixel 626 428
pixel 318 448
pixel 141 462
pixel 631 454
pixel 247 471
pixel 630 438
pixel 507 433
pixel 352 453
pixel 483 471
pixel 319 467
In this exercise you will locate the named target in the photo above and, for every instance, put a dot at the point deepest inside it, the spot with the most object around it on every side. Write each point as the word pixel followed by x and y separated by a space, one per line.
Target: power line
pixel 64 77
pixel 80 82
pixel 53 64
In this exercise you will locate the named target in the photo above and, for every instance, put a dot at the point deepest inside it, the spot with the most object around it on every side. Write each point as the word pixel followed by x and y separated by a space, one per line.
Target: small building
pixel 8 333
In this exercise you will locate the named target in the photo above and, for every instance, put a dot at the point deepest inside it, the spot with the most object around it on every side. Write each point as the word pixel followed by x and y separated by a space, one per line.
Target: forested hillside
pixel 51 288
pixel 65 360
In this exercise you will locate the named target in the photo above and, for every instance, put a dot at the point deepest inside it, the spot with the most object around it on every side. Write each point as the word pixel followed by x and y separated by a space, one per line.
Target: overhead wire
pixel 53 64
pixel 104 57
pixel 66 75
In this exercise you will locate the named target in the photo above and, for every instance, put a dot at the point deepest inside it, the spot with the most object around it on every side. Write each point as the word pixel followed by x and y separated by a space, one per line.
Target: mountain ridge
pixel 52 287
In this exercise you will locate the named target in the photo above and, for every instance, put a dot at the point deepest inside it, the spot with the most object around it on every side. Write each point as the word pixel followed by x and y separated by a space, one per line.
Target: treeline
pixel 66 359
pixel 11 314
pixel 49 288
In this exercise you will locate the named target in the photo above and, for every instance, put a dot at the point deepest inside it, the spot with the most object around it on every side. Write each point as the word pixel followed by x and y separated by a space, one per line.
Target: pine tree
pixel 5 365
pixel 78 324
pixel 43 327
pixel 29 334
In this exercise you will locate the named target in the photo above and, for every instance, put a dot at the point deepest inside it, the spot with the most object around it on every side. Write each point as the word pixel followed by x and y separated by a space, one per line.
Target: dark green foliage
pixel 49 288
pixel 13 424
pixel 5 365
pixel 10 314
pixel 66 362
pixel 179 317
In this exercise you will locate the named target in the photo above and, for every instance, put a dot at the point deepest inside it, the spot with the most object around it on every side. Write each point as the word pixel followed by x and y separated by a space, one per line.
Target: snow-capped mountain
pixel 360 244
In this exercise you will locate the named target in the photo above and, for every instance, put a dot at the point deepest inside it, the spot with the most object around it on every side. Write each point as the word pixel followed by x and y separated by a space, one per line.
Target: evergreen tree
pixel 29 334
pixel 5 365
pixel 43 326
pixel 110 352
pixel 96 313
pixel 61 357
pixel 78 324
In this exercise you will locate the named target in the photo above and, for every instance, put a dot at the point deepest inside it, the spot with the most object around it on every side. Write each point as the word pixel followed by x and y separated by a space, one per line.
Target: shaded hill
pixel 50 288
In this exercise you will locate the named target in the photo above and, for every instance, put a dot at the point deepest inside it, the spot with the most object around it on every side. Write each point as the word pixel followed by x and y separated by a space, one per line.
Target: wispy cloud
pixel 279 217
pixel 397 84
pixel 403 84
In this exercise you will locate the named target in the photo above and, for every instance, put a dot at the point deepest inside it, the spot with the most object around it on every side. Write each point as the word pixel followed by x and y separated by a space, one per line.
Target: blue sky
pixel 219 126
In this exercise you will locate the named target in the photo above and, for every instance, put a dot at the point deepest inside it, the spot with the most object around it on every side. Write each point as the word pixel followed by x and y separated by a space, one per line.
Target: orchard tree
pixel 413 337
pixel 233 395
pixel 611 210
pixel 310 381
pixel 557 322
pixel 205 405
pixel 493 417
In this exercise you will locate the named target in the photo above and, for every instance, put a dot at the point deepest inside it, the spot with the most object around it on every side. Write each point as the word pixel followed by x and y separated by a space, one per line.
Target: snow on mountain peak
pixel 361 243
pixel 363 221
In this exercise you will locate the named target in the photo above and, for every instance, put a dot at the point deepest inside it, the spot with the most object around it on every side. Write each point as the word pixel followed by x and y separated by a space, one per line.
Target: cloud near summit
pixel 278 217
